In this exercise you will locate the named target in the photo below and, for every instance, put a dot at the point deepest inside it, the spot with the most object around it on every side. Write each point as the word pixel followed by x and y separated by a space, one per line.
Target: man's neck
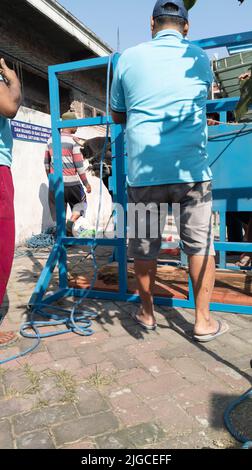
pixel 165 28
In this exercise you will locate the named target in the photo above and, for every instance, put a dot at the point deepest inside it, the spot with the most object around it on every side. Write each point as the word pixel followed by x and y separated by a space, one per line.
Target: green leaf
pixel 189 3
pixel 245 100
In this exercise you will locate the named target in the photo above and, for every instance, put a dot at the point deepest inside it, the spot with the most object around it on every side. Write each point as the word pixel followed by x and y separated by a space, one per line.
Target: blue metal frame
pixel 232 198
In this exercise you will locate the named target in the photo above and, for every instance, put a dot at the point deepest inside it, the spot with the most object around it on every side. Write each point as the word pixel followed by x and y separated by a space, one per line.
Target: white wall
pixel 30 181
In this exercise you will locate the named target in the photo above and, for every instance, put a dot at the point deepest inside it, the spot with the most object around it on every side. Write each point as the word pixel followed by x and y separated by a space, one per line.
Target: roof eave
pixel 66 21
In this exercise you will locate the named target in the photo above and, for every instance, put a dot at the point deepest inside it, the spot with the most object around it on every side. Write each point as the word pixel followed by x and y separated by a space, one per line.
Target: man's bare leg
pixel 146 275
pixel 202 272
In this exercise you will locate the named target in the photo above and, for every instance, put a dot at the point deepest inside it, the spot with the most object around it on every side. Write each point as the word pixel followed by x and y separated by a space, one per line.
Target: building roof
pixel 71 25
pixel 240 48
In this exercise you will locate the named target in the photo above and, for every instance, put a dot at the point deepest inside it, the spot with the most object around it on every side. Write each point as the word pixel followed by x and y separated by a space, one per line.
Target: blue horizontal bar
pixel 98 121
pixel 92 241
pixel 230 308
pixel 95 294
pixel 116 296
pixel 239 247
pixel 162 301
pixel 224 41
pixel 224 104
pixel 79 65
pixel 49 299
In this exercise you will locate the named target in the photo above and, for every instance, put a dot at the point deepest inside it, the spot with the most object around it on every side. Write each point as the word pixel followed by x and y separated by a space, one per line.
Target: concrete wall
pixel 30 181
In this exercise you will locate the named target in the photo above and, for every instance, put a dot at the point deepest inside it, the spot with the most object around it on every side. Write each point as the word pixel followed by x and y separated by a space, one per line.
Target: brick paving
pixel 121 388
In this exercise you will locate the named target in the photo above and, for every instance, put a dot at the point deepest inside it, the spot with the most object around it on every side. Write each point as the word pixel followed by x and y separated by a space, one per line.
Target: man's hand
pixel 88 188
pixel 10 92
pixel 79 141
pixel 8 74
pixel 245 75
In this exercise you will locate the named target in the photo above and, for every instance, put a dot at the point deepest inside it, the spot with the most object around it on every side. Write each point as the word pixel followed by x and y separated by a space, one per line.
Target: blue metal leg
pixel 46 276
pixel 223 234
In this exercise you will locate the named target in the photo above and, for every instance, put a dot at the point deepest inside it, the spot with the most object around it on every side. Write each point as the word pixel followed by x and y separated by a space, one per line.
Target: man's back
pixel 163 86
pixel 72 159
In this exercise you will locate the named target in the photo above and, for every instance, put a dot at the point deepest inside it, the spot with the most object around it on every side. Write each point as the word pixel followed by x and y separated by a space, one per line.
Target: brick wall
pixel 30 37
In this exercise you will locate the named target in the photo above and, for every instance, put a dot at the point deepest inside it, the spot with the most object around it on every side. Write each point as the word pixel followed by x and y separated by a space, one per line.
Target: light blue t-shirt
pixel 163 87
pixel 6 141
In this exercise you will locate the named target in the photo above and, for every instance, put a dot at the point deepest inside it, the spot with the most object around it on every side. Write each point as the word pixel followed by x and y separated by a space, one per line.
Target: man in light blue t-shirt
pixel 10 100
pixel 160 91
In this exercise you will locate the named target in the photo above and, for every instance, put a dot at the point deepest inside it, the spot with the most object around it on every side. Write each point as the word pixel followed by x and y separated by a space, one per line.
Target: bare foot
pixel 206 328
pixel 7 338
pixel 147 319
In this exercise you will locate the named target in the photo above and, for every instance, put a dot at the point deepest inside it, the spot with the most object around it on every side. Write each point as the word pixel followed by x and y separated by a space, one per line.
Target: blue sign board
pixel 30 132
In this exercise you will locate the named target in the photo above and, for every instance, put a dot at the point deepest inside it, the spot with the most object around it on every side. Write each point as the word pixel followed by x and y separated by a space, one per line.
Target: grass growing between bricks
pixel 66 382
pixel 34 379
pixel 2 373
pixel 41 404
pixel 99 380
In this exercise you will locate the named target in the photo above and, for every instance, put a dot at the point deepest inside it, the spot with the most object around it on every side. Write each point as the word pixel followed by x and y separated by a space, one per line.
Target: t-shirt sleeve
pixel 117 92
pixel 208 70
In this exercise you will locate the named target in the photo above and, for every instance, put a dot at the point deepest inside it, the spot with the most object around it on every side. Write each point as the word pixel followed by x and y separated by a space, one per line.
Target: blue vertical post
pixel 120 198
pixel 58 173
pixel 223 234
pixel 223 116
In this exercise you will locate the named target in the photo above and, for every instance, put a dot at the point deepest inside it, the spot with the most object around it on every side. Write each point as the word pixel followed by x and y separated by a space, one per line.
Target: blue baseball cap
pixel 160 10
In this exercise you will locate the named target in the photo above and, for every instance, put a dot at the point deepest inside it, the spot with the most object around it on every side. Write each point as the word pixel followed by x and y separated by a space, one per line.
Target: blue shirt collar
pixel 169 32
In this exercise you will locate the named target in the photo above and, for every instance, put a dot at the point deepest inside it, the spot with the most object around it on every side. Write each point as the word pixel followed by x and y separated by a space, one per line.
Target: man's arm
pixel 118 105
pixel 10 92
pixel 47 161
pixel 119 118
pixel 78 161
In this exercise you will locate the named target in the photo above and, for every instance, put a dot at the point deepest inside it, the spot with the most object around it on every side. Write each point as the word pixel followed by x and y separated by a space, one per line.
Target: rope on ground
pixel 45 240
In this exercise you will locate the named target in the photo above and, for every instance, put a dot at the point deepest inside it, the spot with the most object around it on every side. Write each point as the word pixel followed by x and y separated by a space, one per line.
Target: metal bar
pixel 230 308
pixel 57 154
pixel 80 65
pixel 55 297
pixel 95 294
pixel 224 104
pixel 223 234
pixel 191 297
pixel 233 67
pixel 63 278
pixel 162 301
pixel 116 296
pixel 91 241
pixel 98 121
pixel 224 41
pixel 239 247
pixel 120 197
pixel 223 116
pixel 46 275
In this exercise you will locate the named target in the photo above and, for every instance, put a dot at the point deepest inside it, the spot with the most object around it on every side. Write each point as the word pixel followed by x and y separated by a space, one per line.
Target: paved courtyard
pixel 122 387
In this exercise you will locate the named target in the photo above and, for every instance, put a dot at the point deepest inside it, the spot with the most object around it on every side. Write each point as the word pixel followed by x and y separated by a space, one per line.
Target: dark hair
pixel 171 20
